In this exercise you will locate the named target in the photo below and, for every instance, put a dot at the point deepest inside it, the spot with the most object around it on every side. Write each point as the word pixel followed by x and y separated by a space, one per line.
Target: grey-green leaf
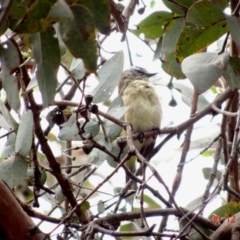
pixel 234 28
pixel 10 63
pixel 78 33
pixel 187 93
pixel 9 147
pixel 170 38
pixel 46 52
pixel 8 117
pixel 109 75
pixel 25 134
pixel 77 68
pixel 70 130
pixel 204 69
pixel 232 74
pixel 13 170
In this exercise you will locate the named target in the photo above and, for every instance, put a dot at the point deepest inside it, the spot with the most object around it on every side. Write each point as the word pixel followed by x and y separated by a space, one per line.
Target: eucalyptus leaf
pixel 25 134
pixel 77 68
pixel 232 73
pixel 32 84
pixel 201 28
pixel 70 131
pixel 8 117
pixel 226 210
pixel 109 75
pixel 97 156
pixel 115 150
pixel 9 63
pixel 153 26
pixel 117 112
pixel 13 170
pixel 35 19
pixel 46 52
pixel 78 34
pixel 4 124
pixel 187 93
pixel 234 28
pixel 101 12
pixel 9 147
pixel 207 171
pixel 59 196
pixel 116 102
pixel 204 69
pixel 170 38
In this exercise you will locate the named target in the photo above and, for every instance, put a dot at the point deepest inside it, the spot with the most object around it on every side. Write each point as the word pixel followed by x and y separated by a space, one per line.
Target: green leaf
pixel 201 29
pixel 47 55
pixel 32 84
pixel 170 38
pixel 77 68
pixel 25 134
pixel 180 9
pixel 112 129
pixel 195 235
pixel 232 73
pixel 10 122
pixel 194 204
pixel 19 8
pixel 115 150
pixel 59 11
pixel 234 28
pixel 221 4
pixel 187 93
pixel 30 175
pixel 185 3
pixel 69 130
pixel 196 16
pixel 193 39
pixel 101 12
pixel 85 206
pixel 207 171
pixel 59 196
pixel 117 112
pixel 4 124
pixel 97 157
pixel 6 7
pixel 78 33
pixel 10 63
pixel 204 69
pixel 226 210
pixel 207 153
pixel 9 147
pixel 35 19
pixel 181 6
pixel 109 75
pixel 153 25
pixel 151 203
pixel 13 170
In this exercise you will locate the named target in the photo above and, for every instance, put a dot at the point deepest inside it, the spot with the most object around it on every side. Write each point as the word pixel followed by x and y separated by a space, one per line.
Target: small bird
pixel 144 112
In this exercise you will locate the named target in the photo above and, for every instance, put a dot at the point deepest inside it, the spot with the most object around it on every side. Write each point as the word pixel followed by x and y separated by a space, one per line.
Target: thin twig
pixel 224 112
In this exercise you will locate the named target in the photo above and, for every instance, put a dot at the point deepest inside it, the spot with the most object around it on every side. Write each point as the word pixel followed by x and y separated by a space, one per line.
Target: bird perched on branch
pixel 144 111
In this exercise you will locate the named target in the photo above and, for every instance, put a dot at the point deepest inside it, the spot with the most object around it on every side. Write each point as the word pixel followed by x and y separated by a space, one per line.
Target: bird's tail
pixel 131 163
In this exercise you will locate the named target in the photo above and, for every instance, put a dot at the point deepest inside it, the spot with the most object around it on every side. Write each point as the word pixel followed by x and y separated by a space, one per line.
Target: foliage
pixel 43 42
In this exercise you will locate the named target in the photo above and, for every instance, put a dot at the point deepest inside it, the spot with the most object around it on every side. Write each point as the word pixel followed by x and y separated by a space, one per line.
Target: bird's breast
pixel 144 111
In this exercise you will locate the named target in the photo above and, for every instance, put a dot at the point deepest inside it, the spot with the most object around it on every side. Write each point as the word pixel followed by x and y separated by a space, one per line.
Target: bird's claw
pixel 140 136
pixel 158 131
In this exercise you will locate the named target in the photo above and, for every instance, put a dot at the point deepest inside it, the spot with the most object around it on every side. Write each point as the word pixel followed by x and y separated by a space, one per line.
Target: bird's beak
pixel 151 74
